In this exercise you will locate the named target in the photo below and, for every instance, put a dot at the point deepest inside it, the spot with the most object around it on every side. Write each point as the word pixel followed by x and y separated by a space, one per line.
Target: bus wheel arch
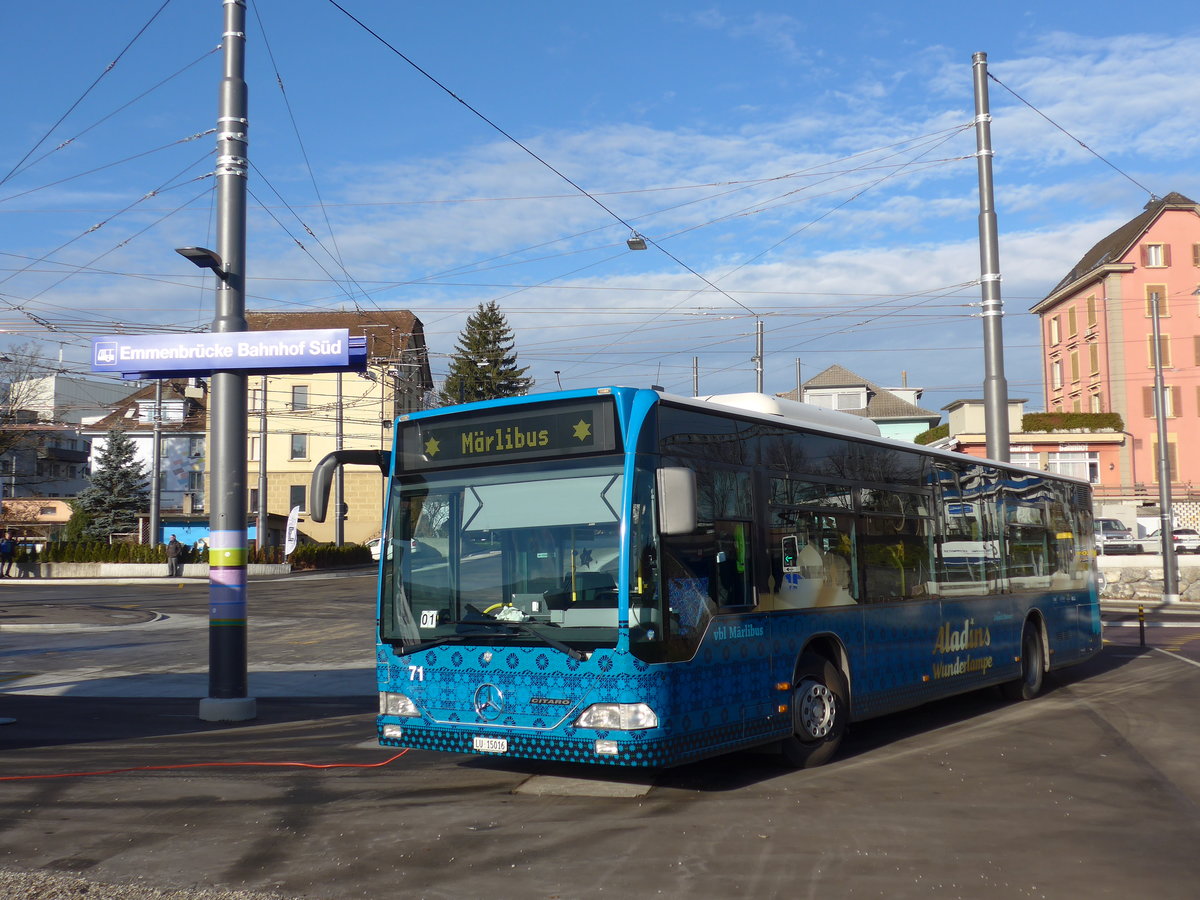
pixel 820 706
pixel 1035 661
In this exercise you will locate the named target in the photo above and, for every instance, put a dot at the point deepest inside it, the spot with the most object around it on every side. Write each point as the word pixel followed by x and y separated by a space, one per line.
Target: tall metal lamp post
pixel 1170 567
pixel 227 698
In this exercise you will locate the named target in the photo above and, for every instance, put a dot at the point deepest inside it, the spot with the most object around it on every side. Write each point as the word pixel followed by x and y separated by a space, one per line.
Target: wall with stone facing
pixel 1146 583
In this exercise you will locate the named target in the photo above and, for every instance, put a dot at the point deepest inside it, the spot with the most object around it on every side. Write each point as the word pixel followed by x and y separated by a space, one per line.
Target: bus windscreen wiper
pixel 456 638
pixel 475 617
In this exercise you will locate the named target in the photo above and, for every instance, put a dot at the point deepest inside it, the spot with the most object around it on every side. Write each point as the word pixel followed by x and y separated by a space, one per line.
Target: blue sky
pixel 812 161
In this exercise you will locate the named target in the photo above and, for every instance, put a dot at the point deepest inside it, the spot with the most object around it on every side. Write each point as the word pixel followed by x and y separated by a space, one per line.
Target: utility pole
pixel 758 355
pixel 1166 526
pixel 695 376
pixel 263 519
pixel 339 484
pixel 156 467
pixel 995 388
pixel 227 698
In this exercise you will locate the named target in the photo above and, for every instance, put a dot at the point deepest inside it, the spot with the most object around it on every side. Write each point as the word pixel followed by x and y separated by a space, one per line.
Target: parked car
pixel 1186 540
pixel 1112 536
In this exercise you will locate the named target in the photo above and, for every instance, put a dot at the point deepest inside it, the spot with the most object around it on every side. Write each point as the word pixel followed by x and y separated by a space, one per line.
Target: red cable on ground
pixel 210 765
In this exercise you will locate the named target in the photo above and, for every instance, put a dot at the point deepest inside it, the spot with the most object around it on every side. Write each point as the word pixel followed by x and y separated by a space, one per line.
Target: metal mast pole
pixel 758 355
pixel 227 700
pixel 264 528
pixel 156 468
pixel 1170 567
pixel 995 388
pixel 339 484
pixel 695 376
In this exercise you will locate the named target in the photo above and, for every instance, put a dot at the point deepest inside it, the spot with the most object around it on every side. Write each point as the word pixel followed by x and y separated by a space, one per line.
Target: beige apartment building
pixel 294 420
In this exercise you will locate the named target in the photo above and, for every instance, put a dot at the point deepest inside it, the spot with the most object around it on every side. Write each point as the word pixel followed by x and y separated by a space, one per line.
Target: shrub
pixel 328 556
pixel 933 434
pixel 1071 421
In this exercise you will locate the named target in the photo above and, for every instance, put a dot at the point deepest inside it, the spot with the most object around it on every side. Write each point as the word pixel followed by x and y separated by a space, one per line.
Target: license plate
pixel 491 745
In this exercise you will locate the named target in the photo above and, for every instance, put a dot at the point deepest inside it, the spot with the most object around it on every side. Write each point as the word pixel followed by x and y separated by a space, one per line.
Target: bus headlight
pixel 617 717
pixel 396 705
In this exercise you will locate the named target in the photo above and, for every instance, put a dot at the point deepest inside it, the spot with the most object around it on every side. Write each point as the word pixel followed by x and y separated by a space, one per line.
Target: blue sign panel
pixel 166 356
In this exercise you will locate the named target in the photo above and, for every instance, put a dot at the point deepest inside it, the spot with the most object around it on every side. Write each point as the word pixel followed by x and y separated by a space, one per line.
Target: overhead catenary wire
pixel 1107 162
pixel 112 65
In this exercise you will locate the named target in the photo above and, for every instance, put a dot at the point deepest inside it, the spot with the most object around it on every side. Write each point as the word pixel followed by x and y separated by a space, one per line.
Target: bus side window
pixel 734 586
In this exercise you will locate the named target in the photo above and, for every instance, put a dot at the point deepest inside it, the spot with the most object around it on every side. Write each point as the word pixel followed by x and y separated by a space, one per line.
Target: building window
pixel 299 446
pixel 255 400
pixel 1056 374
pixel 1159 292
pixel 1091 312
pixel 252 502
pixel 1074 365
pixel 1028 460
pixel 1097 403
pixel 253 453
pixel 1196 254
pixel 1072 322
pixel 852 399
pixel 1055 337
pixel 1171 395
pixel 195 482
pixel 299 397
pixel 1171 461
pixel 1156 256
pixel 1094 358
pixel 296 498
pixel 1165 344
pixel 195 447
pixel 1083 464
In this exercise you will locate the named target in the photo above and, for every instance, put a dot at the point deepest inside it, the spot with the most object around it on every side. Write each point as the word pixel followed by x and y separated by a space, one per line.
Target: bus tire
pixel 820 708
pixel 1033 665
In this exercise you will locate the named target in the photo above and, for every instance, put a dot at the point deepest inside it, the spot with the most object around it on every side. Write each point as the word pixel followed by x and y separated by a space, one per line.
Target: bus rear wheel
pixel 1033 666
pixel 819 712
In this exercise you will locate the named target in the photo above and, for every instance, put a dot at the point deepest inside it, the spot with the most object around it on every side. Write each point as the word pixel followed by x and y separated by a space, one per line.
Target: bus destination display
pixel 522 434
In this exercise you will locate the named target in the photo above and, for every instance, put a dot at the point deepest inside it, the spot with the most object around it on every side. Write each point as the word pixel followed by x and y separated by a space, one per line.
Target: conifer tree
pixel 484 365
pixel 118 490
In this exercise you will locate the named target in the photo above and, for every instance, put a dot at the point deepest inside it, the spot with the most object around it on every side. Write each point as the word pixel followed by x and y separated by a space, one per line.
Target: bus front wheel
pixel 1033 666
pixel 819 712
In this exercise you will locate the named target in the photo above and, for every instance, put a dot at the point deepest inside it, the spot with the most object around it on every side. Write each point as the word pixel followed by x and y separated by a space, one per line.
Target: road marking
pixel 1190 662
pixel 557 786
pixel 1179 643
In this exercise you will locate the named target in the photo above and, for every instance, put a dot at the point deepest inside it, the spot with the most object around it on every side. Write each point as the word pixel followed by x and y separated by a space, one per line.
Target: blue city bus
pixel 621 576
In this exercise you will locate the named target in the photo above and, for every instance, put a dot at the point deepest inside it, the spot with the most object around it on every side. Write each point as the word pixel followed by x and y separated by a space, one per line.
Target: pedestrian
pixel 174 557
pixel 8 551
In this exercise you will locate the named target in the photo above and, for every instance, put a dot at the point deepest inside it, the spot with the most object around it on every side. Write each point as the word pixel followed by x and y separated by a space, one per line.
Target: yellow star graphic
pixel 583 430
pixel 432 447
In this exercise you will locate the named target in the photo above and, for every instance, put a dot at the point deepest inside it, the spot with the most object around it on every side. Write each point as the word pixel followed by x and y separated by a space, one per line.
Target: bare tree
pixel 20 366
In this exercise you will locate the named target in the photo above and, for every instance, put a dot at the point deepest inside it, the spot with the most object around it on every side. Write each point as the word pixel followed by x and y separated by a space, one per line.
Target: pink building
pixel 1098 346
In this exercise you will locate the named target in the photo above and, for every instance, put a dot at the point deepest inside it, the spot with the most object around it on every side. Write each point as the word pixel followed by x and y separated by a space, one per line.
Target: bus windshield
pixel 516 554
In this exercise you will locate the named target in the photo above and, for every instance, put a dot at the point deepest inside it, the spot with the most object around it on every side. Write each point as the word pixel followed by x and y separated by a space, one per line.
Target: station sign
pixel 178 356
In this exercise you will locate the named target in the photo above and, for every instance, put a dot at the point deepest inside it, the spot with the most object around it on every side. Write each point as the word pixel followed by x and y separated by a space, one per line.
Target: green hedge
pixel 933 434
pixel 1070 421
pixel 329 556
pixel 306 556
pixel 101 551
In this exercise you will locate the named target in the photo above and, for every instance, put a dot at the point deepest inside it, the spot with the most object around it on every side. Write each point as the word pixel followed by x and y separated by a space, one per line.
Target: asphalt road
pixel 1090 791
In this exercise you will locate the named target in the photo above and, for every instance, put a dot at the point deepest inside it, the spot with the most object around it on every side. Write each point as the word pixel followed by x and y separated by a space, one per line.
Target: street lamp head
pixel 204 258
pixel 636 242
